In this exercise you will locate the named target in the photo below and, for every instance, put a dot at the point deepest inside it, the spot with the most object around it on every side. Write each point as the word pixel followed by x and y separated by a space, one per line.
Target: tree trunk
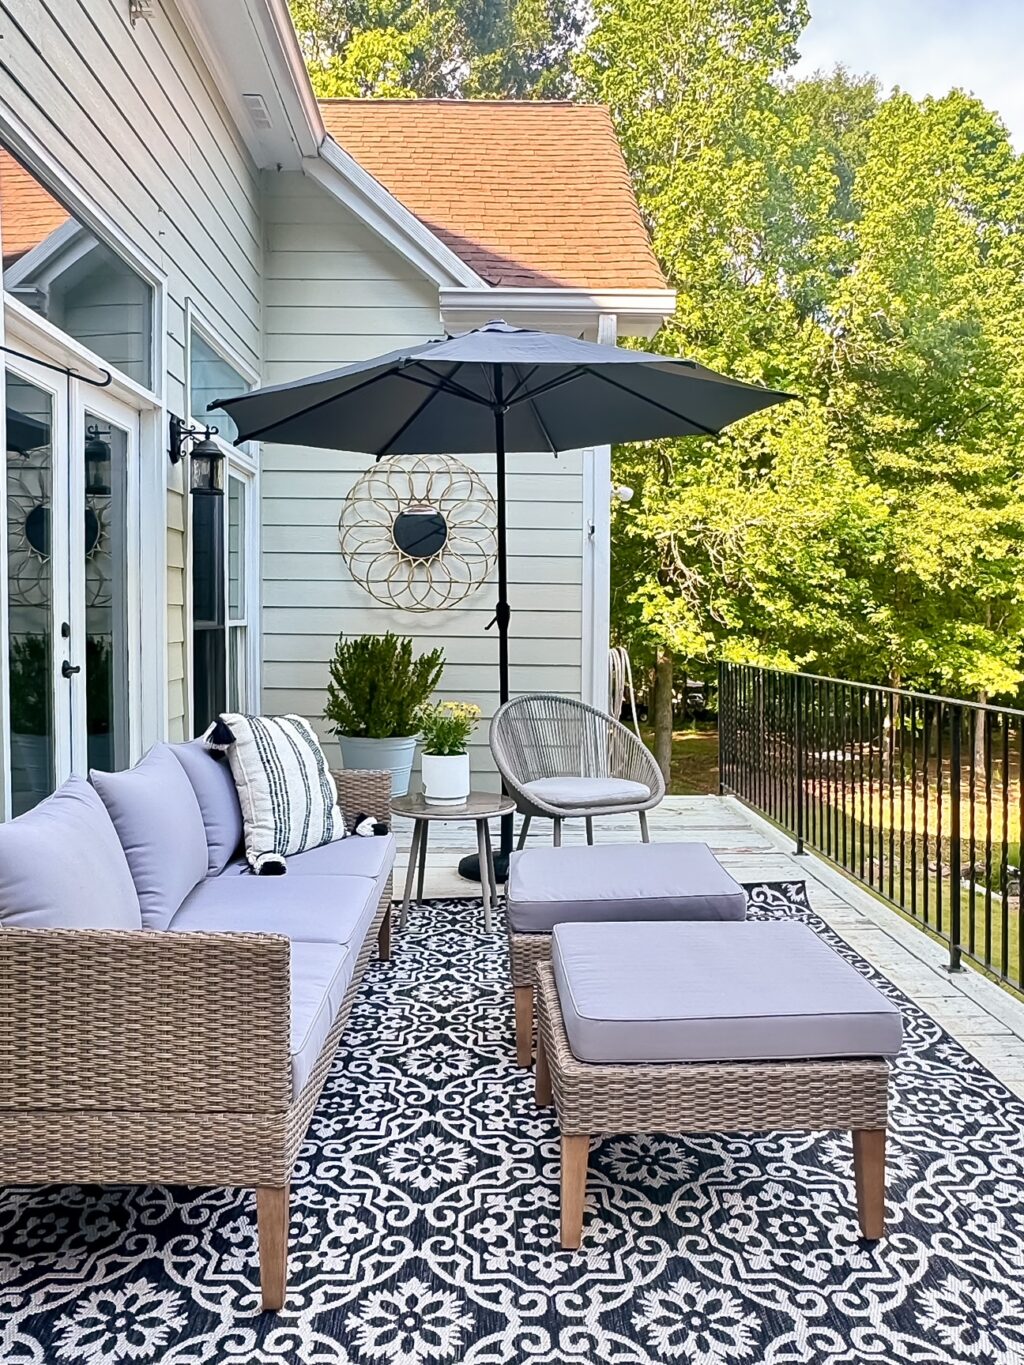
pixel 979 735
pixel 663 715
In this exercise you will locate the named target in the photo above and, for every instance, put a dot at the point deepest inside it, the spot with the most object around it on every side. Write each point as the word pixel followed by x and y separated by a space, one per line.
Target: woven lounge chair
pixel 564 760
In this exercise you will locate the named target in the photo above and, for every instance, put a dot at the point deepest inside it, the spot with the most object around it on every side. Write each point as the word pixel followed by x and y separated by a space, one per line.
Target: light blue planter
pixel 395 755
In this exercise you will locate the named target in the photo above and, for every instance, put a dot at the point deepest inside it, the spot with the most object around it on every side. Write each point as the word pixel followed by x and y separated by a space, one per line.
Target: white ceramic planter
pixel 395 755
pixel 445 779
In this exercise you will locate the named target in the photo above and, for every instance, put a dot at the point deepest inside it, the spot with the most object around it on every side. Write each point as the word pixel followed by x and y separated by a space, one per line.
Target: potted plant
pixel 374 697
pixel 445 729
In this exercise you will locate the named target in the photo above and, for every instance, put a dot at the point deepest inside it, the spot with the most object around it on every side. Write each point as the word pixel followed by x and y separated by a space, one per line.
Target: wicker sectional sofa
pixel 154 1034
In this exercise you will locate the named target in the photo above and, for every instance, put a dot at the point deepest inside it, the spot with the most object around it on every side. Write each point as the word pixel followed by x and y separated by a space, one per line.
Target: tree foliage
pixel 437 48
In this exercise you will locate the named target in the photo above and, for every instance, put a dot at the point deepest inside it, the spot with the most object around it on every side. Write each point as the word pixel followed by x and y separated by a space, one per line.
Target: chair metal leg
pixel 644 832
pixel 425 826
pixel 486 871
pixel 557 832
pixel 590 829
pixel 410 873
pixel 523 830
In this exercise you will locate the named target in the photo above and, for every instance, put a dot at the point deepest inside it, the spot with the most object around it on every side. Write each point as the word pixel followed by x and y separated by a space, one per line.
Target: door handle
pixel 67 669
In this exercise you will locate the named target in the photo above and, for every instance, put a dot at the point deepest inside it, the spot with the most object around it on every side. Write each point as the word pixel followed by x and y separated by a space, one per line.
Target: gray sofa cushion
pixel 714 993
pixel 62 867
pixel 333 909
pixel 160 826
pixel 320 976
pixel 356 856
pixel 580 793
pixel 548 886
pixel 210 775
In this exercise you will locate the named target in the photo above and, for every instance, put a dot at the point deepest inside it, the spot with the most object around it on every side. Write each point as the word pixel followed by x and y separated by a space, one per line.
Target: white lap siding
pixel 335 293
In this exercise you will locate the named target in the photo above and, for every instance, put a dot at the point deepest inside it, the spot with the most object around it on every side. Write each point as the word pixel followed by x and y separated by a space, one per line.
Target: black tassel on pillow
pixel 219 737
pixel 365 825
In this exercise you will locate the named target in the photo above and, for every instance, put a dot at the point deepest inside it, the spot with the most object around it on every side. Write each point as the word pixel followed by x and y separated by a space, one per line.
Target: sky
pixel 926 47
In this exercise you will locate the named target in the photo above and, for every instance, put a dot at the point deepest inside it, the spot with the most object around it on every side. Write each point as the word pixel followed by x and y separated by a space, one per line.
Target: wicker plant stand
pixel 698 1097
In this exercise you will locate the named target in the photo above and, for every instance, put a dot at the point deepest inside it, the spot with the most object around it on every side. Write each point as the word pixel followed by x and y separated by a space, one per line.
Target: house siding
pixel 334 294
pixel 132 116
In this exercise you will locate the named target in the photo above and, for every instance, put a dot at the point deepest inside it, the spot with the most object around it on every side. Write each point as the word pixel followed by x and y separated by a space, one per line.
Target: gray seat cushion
pixel 63 867
pixel 714 993
pixel 160 826
pixel 355 856
pixel 585 793
pixel 548 886
pixel 333 909
pixel 210 775
pixel 320 976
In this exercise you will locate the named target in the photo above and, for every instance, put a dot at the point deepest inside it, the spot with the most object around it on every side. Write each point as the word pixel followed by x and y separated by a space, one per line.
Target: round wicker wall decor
pixel 419 532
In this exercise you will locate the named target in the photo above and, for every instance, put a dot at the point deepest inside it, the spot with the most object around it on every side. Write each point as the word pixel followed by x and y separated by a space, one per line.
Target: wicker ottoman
pixel 701 1028
pixel 549 886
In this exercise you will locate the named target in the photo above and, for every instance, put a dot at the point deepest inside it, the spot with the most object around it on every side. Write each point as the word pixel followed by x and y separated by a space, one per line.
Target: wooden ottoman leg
pixel 575 1154
pixel 272 1226
pixel 869 1175
pixel 542 1085
pixel 524 1025
pixel 384 937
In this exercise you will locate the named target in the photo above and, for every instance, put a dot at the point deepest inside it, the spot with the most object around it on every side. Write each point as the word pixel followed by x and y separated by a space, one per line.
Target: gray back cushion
pixel 210 775
pixel 62 867
pixel 160 826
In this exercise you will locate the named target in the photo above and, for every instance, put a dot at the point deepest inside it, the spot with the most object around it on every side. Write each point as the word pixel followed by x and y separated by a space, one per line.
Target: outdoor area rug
pixel 425 1216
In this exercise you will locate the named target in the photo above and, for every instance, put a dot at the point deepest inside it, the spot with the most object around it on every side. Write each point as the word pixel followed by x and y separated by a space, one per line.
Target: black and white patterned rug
pixel 425 1206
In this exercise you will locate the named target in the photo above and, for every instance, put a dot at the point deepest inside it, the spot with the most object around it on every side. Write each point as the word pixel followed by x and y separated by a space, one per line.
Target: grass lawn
pixel 694 760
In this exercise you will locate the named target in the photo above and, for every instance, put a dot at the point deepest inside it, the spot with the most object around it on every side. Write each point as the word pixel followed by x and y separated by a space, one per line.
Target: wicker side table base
pixel 706 1097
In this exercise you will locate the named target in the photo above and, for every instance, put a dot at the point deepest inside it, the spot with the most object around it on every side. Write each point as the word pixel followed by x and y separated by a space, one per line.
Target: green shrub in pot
pixel 376 689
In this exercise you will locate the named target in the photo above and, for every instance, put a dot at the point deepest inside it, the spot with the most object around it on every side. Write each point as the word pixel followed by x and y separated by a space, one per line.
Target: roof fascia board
pixel 343 177
pixel 640 312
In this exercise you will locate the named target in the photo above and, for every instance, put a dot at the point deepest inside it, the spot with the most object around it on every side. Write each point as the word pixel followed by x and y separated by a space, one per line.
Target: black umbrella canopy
pixel 554 392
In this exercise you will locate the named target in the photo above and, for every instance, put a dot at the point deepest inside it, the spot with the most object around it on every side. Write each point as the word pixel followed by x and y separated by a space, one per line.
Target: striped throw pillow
pixel 285 788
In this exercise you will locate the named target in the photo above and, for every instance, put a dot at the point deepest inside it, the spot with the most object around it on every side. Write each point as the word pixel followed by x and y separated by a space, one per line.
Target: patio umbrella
pixel 497 388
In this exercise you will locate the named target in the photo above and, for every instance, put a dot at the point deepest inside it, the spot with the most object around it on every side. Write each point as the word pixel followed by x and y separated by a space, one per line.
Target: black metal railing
pixel 918 797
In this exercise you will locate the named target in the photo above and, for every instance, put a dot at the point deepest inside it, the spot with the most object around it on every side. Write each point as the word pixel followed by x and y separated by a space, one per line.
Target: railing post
pixel 723 724
pixel 798 763
pixel 956 726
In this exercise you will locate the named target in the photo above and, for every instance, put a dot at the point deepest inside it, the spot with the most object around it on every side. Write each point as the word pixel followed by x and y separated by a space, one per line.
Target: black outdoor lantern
pixel 207 465
pixel 97 461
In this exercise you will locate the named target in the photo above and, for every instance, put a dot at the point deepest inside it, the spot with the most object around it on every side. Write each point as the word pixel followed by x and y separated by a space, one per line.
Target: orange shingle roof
pixel 28 214
pixel 526 192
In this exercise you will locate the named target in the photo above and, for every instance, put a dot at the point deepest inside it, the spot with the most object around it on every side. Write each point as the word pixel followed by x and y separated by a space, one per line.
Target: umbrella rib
pixel 567 378
pixel 445 381
pixel 662 407
pixel 524 380
pixel 417 412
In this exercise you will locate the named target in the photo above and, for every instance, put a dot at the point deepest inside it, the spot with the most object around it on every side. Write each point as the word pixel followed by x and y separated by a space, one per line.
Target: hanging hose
pixel 620 683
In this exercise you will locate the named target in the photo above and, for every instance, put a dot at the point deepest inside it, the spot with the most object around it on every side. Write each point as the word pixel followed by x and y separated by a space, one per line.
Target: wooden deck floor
pixel 981 1015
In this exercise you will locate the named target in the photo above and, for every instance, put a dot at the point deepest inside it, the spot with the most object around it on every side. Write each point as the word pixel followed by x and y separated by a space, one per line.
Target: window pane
pixel 238 699
pixel 30 589
pixel 236 549
pixel 106 599
pixel 210 378
pixel 61 270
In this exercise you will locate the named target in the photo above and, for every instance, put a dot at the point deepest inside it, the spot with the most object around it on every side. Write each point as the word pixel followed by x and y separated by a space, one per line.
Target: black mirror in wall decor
pixel 206 486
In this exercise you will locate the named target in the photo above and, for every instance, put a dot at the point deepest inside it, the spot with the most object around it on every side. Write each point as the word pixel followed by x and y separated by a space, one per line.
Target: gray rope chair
pixel 564 760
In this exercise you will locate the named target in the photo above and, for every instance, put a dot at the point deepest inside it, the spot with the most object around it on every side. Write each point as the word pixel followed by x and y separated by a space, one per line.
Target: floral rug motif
pixel 425 1216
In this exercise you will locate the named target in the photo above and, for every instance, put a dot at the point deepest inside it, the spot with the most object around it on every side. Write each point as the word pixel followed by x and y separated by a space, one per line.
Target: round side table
pixel 478 807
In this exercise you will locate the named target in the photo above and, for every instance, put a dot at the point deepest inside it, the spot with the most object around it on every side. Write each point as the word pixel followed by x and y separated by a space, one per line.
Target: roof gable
pixel 528 193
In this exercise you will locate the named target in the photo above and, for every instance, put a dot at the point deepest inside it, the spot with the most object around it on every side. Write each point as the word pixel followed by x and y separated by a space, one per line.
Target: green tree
pixel 437 48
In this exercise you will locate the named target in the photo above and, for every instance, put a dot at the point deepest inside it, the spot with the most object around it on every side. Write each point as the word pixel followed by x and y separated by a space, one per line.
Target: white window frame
pixel 243 463
pixel 23 329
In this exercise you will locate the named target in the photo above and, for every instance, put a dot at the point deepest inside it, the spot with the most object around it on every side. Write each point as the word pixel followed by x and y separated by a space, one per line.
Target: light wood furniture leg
pixel 524 1025
pixel 869 1175
pixel 644 834
pixel 414 849
pixel 575 1154
pixel 556 834
pixel 590 829
pixel 272 1228
pixel 384 937
pixel 523 831
pixel 542 1085
pixel 425 827
pixel 486 872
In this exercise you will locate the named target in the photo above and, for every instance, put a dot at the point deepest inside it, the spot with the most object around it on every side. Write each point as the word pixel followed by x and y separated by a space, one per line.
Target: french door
pixel 73 627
